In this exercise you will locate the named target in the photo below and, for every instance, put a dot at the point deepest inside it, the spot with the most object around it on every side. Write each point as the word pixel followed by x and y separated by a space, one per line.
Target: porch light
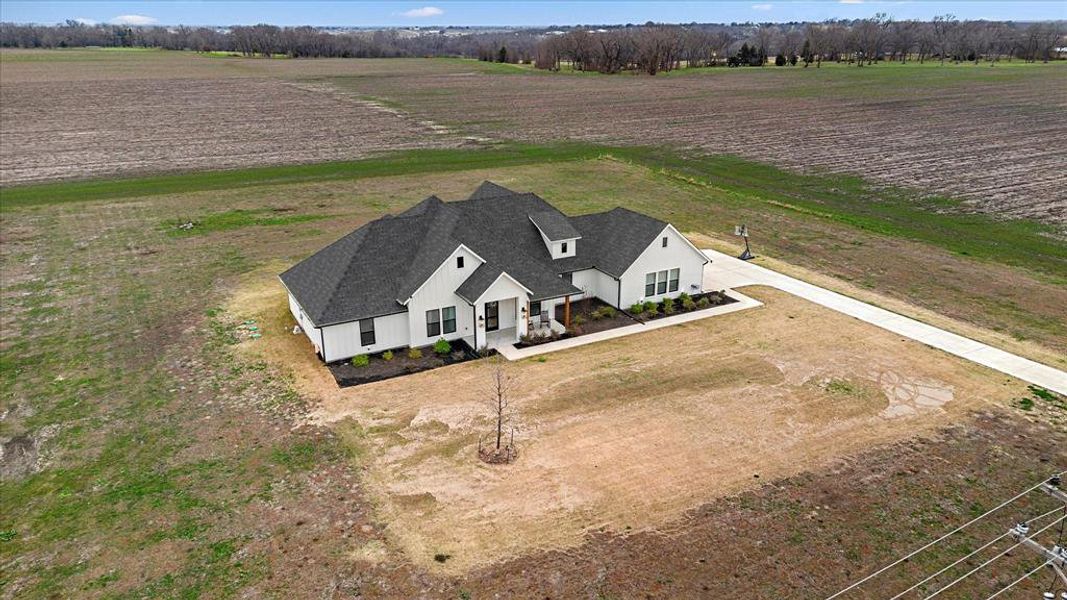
pixel 524 310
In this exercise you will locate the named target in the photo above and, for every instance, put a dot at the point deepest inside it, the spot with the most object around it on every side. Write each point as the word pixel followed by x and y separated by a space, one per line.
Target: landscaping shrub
pixel 650 306
pixel 637 308
pixel 608 312
pixel 688 304
pixel 668 306
pixel 387 355
pixel 360 360
pixel 577 322
pixel 683 297
pixel 703 302
pixel 442 347
pixel 414 353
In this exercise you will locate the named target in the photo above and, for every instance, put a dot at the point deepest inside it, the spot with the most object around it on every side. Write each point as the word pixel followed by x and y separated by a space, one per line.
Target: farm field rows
pixel 149 452
pixel 180 112
pixel 983 134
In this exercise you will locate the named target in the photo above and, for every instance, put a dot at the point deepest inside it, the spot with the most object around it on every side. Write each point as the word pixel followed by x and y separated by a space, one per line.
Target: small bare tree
pixel 499 391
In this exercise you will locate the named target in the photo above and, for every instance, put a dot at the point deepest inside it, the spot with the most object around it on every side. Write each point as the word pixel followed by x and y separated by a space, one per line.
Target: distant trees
pixel 649 48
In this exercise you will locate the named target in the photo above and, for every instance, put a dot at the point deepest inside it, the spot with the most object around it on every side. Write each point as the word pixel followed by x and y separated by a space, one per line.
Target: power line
pixel 983 547
pixel 942 538
pixel 986 545
pixel 990 561
pixel 1017 581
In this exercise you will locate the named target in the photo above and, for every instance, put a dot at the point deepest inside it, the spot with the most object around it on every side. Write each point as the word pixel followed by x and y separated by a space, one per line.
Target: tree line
pixel 270 40
pixel 649 48
pixel 653 48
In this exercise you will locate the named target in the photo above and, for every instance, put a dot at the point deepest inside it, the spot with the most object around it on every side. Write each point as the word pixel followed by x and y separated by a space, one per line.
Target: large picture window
pixel 433 323
pixel 448 318
pixel 366 332
pixel 673 280
pixel 661 282
pixel 650 285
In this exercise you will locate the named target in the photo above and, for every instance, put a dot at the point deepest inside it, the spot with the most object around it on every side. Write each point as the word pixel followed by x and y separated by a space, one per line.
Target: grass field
pixel 143 456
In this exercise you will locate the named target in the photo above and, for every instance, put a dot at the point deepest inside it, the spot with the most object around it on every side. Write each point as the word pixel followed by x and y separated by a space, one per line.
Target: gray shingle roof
pixel 372 270
pixel 554 225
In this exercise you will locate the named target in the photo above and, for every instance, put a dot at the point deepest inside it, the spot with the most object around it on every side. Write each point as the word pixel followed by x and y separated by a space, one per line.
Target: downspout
pixel 322 341
pixel 618 298
pixel 474 324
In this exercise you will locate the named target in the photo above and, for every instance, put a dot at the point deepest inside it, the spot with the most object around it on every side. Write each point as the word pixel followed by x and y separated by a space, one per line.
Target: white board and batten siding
pixel 679 254
pixel 596 283
pixel 439 291
pixel 305 323
pixel 343 340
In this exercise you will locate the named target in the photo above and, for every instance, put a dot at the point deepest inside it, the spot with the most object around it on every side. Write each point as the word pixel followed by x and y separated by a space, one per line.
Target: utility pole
pixel 1056 556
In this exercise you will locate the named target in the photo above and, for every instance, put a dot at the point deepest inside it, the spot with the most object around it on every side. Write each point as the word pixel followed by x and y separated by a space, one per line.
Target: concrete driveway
pixel 726 271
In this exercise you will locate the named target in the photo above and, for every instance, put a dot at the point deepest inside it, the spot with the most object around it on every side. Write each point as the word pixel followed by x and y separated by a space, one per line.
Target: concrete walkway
pixel 728 272
pixel 743 302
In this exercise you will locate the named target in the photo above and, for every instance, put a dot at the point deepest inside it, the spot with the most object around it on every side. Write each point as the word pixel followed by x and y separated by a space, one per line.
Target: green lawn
pixel 844 199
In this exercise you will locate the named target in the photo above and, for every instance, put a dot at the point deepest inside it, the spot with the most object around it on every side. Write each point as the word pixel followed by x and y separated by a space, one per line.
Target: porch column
pixel 567 311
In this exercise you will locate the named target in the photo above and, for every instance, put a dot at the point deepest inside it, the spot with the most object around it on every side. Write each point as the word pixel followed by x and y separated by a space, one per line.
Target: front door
pixel 492 316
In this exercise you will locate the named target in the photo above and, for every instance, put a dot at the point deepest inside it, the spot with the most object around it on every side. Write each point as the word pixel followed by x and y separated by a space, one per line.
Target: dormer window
pixel 459 262
pixel 558 233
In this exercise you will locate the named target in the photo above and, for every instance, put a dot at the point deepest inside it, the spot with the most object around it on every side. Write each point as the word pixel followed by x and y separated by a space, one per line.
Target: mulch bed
pixel 589 324
pixel 714 299
pixel 380 369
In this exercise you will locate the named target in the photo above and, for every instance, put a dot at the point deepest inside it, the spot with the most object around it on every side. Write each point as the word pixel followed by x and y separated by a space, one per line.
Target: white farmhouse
pixel 484 270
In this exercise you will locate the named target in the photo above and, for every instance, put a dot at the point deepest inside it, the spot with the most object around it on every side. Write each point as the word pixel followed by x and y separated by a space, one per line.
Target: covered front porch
pixel 505 321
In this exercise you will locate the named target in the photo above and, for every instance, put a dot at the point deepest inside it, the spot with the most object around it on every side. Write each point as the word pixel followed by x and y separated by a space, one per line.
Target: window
pixel 433 323
pixel 448 316
pixel 459 262
pixel 661 282
pixel 563 247
pixel 366 332
pixel 664 241
pixel 650 285
pixel 673 281
pixel 535 309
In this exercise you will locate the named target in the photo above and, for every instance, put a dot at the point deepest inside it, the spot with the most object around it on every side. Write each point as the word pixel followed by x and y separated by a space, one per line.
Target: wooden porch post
pixel 567 311
pixel 528 316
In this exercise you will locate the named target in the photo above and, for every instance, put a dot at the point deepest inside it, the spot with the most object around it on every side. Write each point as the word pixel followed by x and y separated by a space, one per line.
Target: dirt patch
pixel 628 435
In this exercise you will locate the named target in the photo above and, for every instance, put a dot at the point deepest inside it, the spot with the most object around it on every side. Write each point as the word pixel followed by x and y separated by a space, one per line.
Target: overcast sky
pixel 496 12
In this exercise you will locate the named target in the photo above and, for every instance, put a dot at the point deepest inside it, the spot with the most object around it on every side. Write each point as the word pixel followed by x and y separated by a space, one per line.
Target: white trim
pixel 440 266
pixel 490 286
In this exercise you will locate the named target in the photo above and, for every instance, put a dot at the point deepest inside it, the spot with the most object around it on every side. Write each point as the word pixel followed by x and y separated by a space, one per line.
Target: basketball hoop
pixel 742 231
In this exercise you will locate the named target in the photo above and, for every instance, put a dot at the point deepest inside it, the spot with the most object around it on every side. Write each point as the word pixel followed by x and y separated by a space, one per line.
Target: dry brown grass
pixel 625 435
